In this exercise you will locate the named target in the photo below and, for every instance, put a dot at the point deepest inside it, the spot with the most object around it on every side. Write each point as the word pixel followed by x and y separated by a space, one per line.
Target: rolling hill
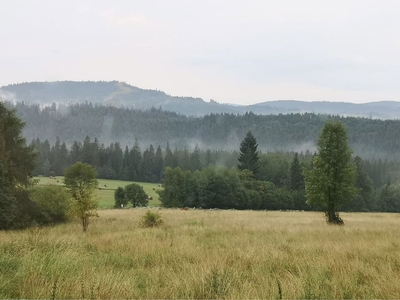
pixel 120 94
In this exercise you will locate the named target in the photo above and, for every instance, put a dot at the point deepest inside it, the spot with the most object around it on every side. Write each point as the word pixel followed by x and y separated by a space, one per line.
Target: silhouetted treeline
pixel 371 139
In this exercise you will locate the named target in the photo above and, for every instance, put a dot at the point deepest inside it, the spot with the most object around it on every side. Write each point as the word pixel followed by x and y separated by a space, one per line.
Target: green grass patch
pixel 106 189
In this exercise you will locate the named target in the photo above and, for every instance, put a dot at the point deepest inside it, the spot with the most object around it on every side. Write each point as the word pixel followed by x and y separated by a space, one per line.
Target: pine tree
pixel 296 174
pixel 169 157
pixel 248 157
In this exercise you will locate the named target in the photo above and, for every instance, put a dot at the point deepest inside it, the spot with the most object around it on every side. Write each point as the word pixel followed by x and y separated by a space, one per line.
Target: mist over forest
pixel 120 94
pixel 369 138
pixel 126 133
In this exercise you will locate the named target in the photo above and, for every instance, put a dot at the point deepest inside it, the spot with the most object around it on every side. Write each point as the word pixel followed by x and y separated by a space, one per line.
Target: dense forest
pixel 369 138
pixel 281 173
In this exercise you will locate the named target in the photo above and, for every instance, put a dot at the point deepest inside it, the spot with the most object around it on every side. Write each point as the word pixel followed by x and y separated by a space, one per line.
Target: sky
pixel 231 51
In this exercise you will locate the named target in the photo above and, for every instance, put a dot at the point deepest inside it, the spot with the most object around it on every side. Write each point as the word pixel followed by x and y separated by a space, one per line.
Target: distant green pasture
pixel 106 189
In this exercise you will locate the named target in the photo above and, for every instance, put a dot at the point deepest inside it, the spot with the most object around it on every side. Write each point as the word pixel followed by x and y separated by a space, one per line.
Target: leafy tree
pixel 363 201
pixel 275 168
pixel 173 194
pixel 120 199
pixel 248 157
pixel 331 181
pixel 53 201
pixel 135 194
pixel 81 181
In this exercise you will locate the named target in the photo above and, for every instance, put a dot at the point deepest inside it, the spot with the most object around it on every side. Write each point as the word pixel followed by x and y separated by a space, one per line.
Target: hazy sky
pixel 230 51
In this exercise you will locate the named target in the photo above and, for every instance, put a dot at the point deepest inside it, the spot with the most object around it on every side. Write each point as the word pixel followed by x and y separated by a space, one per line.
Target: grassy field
pixel 105 193
pixel 206 254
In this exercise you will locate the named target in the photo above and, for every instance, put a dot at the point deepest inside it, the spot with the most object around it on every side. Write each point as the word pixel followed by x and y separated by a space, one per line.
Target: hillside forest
pixel 369 138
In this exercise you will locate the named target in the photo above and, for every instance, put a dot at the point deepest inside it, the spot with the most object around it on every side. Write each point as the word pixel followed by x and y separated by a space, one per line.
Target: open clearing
pixel 206 254
pixel 105 192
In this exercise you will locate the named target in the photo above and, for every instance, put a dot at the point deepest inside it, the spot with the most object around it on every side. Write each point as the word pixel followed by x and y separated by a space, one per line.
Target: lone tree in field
pixel 331 181
pixel 135 194
pixel 81 181
pixel 248 157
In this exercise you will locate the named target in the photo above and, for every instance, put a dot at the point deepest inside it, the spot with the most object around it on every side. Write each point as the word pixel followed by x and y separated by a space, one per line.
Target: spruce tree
pixel 296 174
pixel 248 157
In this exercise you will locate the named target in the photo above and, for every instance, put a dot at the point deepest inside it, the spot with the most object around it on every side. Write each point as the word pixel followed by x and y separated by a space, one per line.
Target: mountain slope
pixel 119 94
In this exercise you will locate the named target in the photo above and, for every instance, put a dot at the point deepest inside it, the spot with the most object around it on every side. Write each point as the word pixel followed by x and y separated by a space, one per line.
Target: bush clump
pixel 151 219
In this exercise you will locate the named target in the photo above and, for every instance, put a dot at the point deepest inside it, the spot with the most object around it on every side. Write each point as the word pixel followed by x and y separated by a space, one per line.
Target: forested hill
pixel 291 132
pixel 121 94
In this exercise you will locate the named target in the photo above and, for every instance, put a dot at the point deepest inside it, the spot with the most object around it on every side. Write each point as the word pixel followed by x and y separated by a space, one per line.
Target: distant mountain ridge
pixel 119 94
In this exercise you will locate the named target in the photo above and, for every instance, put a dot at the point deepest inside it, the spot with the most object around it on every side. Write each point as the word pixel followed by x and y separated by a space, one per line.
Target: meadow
pixel 106 189
pixel 205 254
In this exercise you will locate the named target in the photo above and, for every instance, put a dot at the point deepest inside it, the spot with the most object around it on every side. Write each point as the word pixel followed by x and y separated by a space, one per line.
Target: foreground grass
pixel 205 254
pixel 105 192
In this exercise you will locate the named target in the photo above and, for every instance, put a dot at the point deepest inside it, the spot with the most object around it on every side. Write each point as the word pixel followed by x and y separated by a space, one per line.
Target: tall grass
pixel 205 254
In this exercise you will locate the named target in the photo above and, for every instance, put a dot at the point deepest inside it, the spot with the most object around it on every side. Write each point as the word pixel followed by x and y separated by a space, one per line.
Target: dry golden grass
pixel 206 254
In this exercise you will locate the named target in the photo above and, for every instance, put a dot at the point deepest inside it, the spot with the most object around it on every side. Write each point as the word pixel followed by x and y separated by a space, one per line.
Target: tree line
pixel 282 171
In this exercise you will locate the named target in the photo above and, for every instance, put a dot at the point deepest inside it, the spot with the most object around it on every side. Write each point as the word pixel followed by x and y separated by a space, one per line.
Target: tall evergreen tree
pixel 135 161
pixel 248 157
pixel 17 161
pixel 296 174
pixel 169 157
pixel 195 163
pixel 158 163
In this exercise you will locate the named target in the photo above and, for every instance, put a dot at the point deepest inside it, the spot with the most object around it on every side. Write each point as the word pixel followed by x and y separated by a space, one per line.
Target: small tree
pixel 53 201
pixel 135 194
pixel 81 181
pixel 248 157
pixel 120 198
pixel 331 181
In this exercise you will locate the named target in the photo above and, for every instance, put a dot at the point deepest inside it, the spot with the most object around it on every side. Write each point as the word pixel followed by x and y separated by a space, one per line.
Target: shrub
pixel 151 219
pixel 53 201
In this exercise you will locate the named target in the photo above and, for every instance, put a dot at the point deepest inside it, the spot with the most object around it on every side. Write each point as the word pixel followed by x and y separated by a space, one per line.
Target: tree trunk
pixel 332 217
pixel 85 223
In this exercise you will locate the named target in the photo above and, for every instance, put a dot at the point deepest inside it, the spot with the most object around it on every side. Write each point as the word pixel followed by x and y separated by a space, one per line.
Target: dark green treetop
pixel 248 157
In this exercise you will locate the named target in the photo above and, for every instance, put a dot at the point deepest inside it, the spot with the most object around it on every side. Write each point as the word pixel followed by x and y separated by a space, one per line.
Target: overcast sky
pixel 230 51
